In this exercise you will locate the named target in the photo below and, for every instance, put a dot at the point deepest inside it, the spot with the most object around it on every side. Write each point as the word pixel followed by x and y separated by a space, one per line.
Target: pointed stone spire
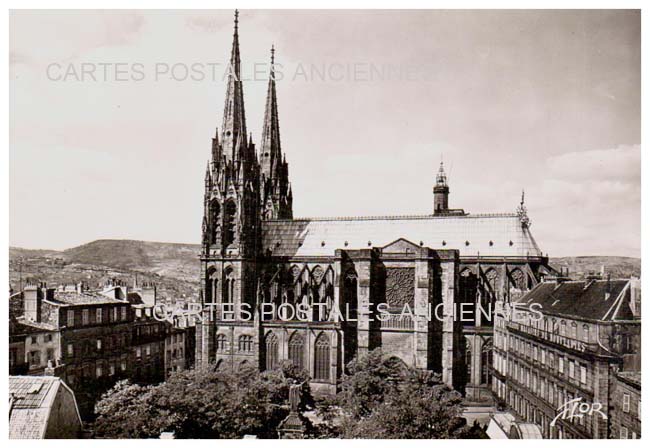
pixel 270 150
pixel 234 117
pixel 274 169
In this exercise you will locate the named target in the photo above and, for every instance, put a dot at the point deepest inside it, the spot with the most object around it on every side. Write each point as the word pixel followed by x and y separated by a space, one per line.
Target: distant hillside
pixel 167 259
pixel 174 267
pixel 618 267
pixel 168 262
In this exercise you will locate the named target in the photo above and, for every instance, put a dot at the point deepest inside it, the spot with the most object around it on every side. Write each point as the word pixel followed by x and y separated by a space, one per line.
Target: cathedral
pixel 343 271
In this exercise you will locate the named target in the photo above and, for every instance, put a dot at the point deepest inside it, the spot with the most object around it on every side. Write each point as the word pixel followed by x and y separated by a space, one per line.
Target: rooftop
pixel 585 299
pixel 489 235
pixel 31 399
pixel 631 376
pixel 22 326
pixel 83 298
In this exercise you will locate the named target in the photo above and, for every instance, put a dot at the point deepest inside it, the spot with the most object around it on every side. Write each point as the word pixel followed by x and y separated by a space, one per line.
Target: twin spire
pixel 233 130
pixel 237 146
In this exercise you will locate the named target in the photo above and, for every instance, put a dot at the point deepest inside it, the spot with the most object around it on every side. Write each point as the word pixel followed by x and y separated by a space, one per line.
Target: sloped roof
pixel 585 299
pixel 83 298
pixel 22 326
pixel 631 377
pixel 30 400
pixel 496 235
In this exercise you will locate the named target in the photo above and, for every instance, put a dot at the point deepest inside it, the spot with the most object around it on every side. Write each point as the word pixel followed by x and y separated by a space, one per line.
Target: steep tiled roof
pixel 498 235
pixel 22 326
pixel 84 298
pixel 30 398
pixel 589 299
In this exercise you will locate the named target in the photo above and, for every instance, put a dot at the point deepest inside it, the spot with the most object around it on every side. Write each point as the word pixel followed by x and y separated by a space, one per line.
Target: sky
pixel 112 115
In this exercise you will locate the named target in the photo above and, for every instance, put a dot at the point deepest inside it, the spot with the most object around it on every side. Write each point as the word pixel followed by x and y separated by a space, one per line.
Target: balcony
pixel 553 338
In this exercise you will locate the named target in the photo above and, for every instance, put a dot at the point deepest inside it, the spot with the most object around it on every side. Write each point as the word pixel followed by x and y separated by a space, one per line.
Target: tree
pixel 201 403
pixel 381 397
pixel 123 412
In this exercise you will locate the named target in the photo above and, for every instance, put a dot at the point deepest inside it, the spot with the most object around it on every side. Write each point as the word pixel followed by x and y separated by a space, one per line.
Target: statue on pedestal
pixel 293 426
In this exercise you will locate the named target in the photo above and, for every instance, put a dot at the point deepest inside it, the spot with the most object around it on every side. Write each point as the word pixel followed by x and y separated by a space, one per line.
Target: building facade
pixel 255 255
pixel 566 342
pixel 89 338
pixel 625 407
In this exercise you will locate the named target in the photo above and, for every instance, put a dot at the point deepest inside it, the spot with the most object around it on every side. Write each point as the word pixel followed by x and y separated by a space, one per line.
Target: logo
pixel 578 409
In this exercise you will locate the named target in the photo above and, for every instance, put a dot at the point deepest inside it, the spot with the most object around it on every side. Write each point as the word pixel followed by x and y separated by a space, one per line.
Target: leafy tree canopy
pixel 202 403
pixel 382 398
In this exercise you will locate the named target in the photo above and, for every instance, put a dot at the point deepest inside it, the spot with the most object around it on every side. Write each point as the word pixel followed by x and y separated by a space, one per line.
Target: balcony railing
pixel 555 338
pixel 397 322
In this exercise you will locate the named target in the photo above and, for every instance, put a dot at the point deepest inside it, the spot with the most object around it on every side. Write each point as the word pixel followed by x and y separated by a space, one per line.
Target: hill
pixel 618 267
pixel 174 267
pixel 177 267
pixel 166 259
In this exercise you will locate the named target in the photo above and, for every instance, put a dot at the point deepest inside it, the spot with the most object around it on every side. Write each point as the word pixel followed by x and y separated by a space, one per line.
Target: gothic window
pixel 322 358
pixel 245 343
pixel 321 294
pixel 518 279
pixel 229 223
pixel 486 363
pixel 585 333
pixel 468 286
pixel 492 279
pixel 317 274
pixel 220 343
pixel 229 287
pixel 215 215
pixel 468 359
pixel 400 288
pixel 211 286
pixel 297 350
pixel 271 344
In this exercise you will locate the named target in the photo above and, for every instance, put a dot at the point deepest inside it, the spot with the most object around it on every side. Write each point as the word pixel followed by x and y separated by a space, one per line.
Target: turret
pixel 441 192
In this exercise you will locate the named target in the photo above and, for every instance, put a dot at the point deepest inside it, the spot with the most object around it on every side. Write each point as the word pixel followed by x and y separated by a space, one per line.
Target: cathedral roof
pixel 493 235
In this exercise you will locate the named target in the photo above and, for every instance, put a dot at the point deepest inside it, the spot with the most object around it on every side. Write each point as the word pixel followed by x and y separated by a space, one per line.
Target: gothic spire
pixel 234 117
pixel 274 169
pixel 270 147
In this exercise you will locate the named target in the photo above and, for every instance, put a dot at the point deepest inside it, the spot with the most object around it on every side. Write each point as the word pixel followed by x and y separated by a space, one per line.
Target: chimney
pixel 635 297
pixel 148 294
pixel 32 298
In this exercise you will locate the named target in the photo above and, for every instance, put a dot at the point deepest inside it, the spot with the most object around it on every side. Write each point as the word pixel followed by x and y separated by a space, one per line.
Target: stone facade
pixel 566 341
pixel 255 255
pixel 92 338
pixel 625 407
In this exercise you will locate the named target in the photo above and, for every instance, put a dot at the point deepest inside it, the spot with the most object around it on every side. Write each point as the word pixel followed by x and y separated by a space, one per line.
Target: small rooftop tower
pixel 441 192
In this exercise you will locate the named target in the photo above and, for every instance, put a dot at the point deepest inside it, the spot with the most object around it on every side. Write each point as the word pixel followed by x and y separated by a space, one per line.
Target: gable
pixel 401 246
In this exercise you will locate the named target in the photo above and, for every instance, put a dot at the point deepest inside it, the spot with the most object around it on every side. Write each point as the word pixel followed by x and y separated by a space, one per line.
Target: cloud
pixel 208 24
pixel 590 203
pixel 622 164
